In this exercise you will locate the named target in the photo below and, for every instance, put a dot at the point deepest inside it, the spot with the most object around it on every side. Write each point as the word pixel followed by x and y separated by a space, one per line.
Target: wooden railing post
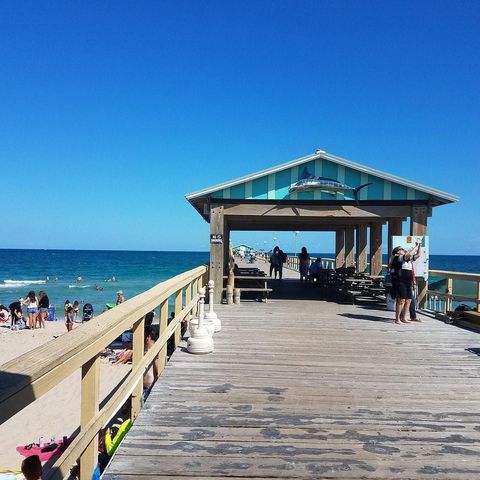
pixel 138 346
pixel 162 355
pixel 89 408
pixel 478 297
pixel 448 300
pixel 178 309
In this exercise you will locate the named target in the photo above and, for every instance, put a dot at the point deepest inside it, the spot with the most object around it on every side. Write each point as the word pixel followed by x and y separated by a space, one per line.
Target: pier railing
pixel 293 262
pixel 26 378
pixel 453 286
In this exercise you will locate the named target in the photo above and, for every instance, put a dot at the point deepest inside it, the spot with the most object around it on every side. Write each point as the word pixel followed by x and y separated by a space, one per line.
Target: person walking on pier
pixel 304 258
pixel 403 264
pixel 277 259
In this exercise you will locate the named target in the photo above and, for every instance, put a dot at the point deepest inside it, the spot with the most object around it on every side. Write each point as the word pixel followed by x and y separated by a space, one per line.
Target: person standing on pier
pixel 304 258
pixel 277 260
pixel 403 264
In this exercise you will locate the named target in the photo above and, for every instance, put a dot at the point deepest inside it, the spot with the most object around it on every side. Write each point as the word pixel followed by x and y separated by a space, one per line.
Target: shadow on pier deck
pixel 313 389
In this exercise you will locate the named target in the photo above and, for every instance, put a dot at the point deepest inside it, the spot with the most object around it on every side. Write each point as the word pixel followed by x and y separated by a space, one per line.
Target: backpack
pixel 395 268
pixel 283 256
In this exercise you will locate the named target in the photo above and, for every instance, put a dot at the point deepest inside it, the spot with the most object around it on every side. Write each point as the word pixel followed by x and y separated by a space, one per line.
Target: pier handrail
pixel 26 378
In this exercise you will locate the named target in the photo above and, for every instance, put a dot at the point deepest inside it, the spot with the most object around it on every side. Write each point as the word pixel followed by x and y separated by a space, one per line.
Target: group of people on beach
pixel 37 311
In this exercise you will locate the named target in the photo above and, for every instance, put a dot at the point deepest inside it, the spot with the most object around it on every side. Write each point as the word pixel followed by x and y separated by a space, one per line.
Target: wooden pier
pixel 313 389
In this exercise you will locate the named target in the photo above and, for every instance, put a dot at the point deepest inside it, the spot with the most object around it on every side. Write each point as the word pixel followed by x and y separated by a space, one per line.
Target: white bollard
pixel 211 315
pixel 200 340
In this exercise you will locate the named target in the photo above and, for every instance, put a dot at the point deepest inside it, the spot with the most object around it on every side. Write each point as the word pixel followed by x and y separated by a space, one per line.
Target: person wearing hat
pixel 401 270
pixel 120 297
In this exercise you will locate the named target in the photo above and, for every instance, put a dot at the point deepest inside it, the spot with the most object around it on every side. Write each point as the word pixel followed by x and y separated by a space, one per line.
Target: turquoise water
pixel 135 272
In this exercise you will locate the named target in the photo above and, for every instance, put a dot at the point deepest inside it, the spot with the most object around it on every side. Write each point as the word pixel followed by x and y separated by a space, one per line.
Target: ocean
pixel 134 272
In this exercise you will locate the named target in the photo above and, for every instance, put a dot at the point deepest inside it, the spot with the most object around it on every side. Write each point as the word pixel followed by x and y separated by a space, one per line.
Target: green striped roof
pixel 274 183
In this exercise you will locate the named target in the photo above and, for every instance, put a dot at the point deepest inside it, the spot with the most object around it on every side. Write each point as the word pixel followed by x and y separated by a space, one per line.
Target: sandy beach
pixel 57 413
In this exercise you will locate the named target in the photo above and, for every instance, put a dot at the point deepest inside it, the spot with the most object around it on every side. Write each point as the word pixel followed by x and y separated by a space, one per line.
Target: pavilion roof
pixel 274 183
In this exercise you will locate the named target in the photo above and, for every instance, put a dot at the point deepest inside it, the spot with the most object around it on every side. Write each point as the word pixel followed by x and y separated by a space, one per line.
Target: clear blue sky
pixel 112 111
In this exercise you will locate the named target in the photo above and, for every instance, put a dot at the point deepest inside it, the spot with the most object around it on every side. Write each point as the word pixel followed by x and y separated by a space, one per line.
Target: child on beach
pixel 32 468
pixel 69 318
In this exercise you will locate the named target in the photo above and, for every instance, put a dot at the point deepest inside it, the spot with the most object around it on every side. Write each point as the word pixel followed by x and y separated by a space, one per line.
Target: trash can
pixel 51 314
pixel 389 293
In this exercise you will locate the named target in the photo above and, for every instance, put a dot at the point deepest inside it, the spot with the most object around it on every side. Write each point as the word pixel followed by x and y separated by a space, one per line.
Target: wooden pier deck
pixel 311 389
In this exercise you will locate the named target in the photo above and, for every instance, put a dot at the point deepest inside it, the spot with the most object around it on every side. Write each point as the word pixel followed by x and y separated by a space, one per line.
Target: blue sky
pixel 112 111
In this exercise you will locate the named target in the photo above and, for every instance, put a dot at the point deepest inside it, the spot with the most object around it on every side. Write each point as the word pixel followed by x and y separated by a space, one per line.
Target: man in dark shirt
pixel 43 304
pixel 15 312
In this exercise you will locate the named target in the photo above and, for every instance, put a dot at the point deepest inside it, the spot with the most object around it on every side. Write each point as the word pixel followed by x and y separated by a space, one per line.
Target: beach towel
pixel 36 450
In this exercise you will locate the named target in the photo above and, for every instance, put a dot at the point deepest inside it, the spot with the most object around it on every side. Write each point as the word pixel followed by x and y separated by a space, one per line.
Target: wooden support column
pixel 349 246
pixel 418 226
pixel 138 346
pixel 361 244
pixel 375 249
pixel 178 309
pixel 162 355
pixel 394 229
pixel 217 266
pixel 89 409
pixel 339 248
pixel 226 242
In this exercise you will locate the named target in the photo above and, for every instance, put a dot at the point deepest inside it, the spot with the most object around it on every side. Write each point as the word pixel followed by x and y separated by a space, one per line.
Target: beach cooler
pixel 51 314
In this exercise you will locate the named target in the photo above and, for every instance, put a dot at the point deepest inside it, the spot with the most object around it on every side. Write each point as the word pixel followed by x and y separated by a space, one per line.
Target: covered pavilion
pixel 264 201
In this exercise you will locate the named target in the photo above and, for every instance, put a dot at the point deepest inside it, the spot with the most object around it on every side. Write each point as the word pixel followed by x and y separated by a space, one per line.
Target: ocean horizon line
pixel 184 251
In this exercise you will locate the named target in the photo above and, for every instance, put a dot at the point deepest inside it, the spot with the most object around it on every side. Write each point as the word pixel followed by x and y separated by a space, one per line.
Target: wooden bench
pixel 252 283
pixel 467 318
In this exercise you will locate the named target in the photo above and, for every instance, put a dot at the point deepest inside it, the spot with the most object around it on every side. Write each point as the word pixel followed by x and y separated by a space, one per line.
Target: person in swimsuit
pixel 69 318
pixel 76 310
pixel 120 297
pixel 66 307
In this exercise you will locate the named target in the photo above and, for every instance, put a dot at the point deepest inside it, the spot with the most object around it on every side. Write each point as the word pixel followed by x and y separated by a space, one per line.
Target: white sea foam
pixel 20 283
pixel 78 286
pixel 24 282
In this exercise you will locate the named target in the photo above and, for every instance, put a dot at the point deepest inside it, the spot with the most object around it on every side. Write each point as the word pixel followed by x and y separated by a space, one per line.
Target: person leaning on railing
pixel 401 268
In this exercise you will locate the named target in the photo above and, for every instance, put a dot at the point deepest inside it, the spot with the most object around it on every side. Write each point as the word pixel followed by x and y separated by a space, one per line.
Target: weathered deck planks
pixel 310 389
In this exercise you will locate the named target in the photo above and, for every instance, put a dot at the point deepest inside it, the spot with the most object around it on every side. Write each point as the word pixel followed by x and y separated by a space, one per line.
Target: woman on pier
pixel 304 264
pixel 403 264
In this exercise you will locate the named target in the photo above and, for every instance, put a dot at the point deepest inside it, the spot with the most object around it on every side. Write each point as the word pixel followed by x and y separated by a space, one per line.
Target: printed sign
pixel 216 238
pixel 408 242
